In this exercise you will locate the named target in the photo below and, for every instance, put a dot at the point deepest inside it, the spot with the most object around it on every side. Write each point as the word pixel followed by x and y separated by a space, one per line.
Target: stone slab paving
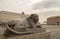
pixel 54 31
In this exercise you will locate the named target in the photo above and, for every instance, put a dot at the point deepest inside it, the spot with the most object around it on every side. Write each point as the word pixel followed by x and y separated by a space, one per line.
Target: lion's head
pixel 34 17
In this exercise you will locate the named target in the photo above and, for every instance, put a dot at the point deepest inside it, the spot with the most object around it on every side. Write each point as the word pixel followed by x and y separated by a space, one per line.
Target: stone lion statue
pixel 23 27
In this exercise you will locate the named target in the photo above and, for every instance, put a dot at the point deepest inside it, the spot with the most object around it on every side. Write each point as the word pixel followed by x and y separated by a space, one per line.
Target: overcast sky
pixel 44 8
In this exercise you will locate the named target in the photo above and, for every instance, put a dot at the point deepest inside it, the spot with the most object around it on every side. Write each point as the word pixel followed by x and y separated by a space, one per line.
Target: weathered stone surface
pixel 28 25
pixel 55 34
pixel 44 35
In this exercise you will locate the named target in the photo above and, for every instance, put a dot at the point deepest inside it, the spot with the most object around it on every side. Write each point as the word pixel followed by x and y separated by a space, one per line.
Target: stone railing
pixel 44 35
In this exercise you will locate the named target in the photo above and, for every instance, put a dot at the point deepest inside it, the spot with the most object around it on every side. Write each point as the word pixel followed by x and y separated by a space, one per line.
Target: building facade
pixel 54 20
pixel 6 16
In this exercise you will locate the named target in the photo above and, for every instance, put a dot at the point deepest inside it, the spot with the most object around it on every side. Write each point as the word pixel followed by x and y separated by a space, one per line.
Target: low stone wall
pixel 44 35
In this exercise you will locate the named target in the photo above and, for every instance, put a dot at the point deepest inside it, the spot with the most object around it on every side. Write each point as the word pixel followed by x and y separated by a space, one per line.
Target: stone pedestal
pixel 44 35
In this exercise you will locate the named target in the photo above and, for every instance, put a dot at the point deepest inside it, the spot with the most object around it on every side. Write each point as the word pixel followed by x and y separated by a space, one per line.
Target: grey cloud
pixel 14 5
pixel 50 12
pixel 46 4
pixel 48 8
